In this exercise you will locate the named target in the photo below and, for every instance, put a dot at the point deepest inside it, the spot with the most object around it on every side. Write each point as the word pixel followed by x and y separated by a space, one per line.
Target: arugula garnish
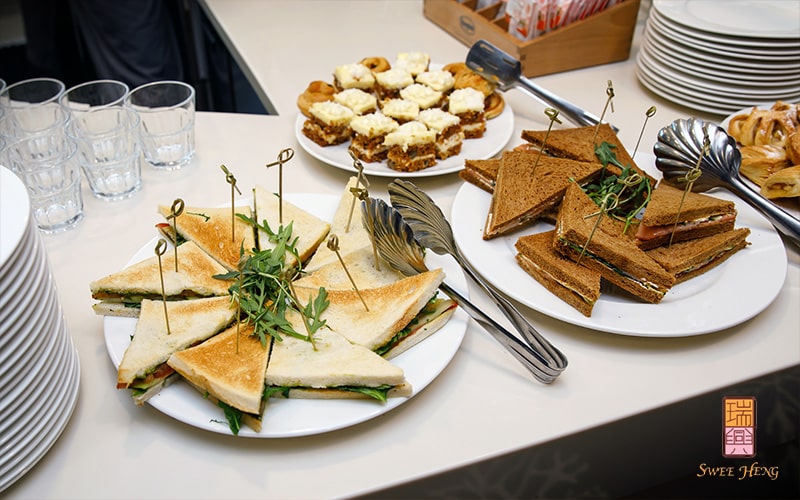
pixel 381 393
pixel 631 189
pixel 233 416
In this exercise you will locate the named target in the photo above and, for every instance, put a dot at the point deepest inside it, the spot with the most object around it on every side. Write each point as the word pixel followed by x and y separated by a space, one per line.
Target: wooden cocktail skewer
pixel 690 178
pixel 609 102
pixel 232 181
pixel 161 248
pixel 609 203
pixel 284 156
pixel 333 244
pixel 175 210
pixel 551 113
pixel 358 192
pixel 651 111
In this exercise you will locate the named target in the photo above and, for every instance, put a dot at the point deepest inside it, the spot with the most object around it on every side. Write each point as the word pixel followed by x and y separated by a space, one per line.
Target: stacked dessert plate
pixel 39 367
pixel 720 57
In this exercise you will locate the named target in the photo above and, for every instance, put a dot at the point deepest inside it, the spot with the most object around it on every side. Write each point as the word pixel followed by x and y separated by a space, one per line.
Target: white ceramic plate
pixel 498 132
pixel 735 291
pixel 302 417
pixel 14 215
pixel 759 19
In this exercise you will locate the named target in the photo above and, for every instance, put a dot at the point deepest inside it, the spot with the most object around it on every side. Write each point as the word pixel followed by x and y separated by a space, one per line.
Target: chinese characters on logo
pixel 739 427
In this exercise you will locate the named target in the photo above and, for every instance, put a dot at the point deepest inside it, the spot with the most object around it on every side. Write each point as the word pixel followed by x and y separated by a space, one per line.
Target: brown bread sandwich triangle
pixel 573 283
pixel 614 256
pixel 523 194
pixel 579 143
pixel 694 216
pixel 482 173
pixel 691 258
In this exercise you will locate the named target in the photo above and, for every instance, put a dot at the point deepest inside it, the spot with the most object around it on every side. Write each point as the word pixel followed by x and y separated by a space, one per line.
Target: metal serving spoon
pixel 506 72
pixel 680 147
pixel 395 242
pixel 431 230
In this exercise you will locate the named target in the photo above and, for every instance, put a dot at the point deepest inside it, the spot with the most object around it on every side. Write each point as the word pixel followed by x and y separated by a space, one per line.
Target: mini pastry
pixel 356 99
pixel 329 123
pixel 369 132
pixel 449 136
pixel 411 147
pixel 353 76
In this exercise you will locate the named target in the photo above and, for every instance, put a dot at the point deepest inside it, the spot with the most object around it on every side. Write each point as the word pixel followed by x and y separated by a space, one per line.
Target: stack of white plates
pixel 721 57
pixel 39 367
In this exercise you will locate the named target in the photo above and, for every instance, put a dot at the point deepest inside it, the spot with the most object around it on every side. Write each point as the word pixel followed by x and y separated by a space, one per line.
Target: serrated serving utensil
pixel 394 241
pixel 506 72
pixel 681 147
pixel 432 230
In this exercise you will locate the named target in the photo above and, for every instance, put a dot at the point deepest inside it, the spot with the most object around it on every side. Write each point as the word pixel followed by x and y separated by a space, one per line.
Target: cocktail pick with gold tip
pixel 608 204
pixel 174 211
pixel 651 111
pixel 161 248
pixel 333 245
pixel 230 179
pixel 691 176
pixel 300 310
pixel 357 191
pixel 551 113
pixel 284 156
pixel 609 102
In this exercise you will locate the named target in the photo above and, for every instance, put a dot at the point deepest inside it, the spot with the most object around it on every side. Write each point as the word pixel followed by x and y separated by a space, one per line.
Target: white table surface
pixel 484 404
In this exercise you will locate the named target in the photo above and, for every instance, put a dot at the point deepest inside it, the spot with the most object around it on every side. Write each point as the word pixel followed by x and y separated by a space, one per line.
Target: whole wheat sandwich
pixel 397 316
pixel 673 215
pixel 482 173
pixel 143 367
pixel 213 230
pixel 525 190
pixel 330 368
pixel 691 258
pixel 229 368
pixel 573 283
pixel 121 293
pixel 614 256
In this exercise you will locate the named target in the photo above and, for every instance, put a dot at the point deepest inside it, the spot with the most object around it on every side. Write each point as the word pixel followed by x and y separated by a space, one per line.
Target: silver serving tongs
pixel 394 241
pixel 506 72
pixel 432 230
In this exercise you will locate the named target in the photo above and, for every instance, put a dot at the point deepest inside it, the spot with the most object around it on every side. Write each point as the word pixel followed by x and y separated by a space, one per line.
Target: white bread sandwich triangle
pixel 330 368
pixel 210 229
pixel 348 228
pixel 400 315
pixel 307 229
pixel 121 293
pixel 360 265
pixel 615 256
pixel 694 257
pixel 143 366
pixel 573 283
pixel 525 190
pixel 671 216
pixel 229 368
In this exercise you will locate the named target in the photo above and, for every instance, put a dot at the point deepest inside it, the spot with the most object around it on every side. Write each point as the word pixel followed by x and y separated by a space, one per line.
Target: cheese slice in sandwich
pixel 347 225
pixel 522 194
pixel 143 366
pixel 229 368
pixel 210 229
pixel 691 258
pixel 690 215
pixel 121 293
pixel 573 283
pixel 580 143
pixel 330 368
pixel 614 256
pixel 361 268
pixel 308 229
pixel 399 315
pixel 482 173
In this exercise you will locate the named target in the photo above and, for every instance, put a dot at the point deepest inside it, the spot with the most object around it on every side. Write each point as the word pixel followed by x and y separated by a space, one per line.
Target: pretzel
pixel 317 91
pixel 376 64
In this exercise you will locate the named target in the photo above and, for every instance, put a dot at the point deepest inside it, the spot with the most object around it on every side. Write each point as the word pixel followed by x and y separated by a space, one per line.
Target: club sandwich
pixel 330 368
pixel 691 258
pixel 143 367
pixel 210 229
pixel 525 190
pixel 573 283
pixel 397 316
pixel 229 370
pixel 359 265
pixel 614 256
pixel 673 215
pixel 121 293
